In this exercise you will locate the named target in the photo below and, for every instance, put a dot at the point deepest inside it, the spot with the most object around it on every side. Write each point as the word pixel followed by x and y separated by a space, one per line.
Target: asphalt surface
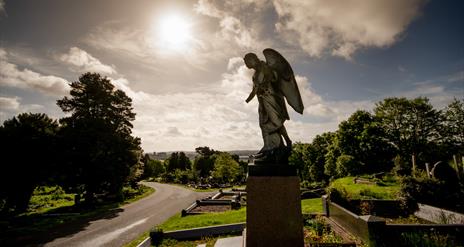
pixel 133 219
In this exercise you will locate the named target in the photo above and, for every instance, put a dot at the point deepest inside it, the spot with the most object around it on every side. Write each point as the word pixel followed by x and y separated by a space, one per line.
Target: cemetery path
pixel 133 219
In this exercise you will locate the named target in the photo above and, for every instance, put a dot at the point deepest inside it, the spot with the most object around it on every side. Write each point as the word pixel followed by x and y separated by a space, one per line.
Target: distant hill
pixel 191 154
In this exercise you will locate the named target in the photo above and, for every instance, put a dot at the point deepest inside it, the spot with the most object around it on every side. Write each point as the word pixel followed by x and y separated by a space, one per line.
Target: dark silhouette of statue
pixel 273 81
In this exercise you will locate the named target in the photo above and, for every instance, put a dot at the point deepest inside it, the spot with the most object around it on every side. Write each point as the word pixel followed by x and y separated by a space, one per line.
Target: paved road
pixel 134 219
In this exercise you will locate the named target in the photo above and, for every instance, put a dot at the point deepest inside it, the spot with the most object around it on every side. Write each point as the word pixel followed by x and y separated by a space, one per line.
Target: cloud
pixel 456 77
pixel 344 26
pixel 12 76
pixel 85 62
pixel 231 28
pixel 116 36
pixel 439 95
pixel 220 118
pixel 317 27
pixel 9 104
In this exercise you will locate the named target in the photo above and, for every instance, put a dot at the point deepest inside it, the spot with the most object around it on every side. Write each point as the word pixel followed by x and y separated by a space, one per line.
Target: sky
pixel 181 61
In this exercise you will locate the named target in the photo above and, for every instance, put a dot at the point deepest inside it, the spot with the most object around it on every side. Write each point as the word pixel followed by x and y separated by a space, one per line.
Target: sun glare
pixel 174 32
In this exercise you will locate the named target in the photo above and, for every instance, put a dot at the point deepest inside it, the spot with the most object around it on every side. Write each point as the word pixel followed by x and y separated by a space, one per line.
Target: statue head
pixel 251 60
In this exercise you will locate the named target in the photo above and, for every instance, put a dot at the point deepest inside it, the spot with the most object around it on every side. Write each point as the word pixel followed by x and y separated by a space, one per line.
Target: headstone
pixel 444 172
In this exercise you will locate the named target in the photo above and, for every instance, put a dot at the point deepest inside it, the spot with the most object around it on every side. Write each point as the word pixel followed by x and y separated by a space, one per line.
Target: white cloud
pixel 231 27
pixel 85 62
pixel 12 76
pixel 116 37
pixel 220 118
pixel 9 104
pixel 344 26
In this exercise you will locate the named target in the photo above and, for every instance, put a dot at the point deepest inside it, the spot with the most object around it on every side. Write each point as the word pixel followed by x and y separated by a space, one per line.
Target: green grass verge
pixel 176 222
pixel 60 206
pixel 313 205
pixel 233 216
pixel 46 198
pixel 388 190
pixel 210 219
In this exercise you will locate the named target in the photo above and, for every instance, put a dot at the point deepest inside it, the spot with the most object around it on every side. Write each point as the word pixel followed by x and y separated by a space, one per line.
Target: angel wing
pixel 287 83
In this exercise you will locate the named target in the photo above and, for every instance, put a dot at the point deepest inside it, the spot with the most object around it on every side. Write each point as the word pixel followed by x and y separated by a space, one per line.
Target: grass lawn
pixel 210 219
pixel 176 222
pixel 388 190
pixel 233 216
pixel 50 207
pixel 313 205
pixel 46 198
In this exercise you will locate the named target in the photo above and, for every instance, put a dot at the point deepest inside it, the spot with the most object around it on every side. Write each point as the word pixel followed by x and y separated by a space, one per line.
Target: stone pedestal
pixel 273 207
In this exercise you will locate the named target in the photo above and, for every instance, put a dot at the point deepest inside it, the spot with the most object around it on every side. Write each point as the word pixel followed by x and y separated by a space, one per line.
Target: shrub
pixel 339 196
pixel 432 239
pixel 433 192
pixel 156 235
pixel 182 176
pixel 346 165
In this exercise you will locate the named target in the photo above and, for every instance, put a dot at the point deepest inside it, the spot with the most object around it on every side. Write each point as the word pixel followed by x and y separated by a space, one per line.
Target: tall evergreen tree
pixel 97 136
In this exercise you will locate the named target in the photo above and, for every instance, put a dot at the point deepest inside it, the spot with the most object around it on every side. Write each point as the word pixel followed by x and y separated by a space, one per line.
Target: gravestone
pixel 445 173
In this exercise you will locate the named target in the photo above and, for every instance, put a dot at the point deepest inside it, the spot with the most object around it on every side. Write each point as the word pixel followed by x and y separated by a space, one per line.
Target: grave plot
pixel 220 202
pixel 321 231
pixel 384 224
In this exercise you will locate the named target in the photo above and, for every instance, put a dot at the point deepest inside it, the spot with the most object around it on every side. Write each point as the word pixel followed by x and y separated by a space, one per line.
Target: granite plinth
pixel 273 210
pixel 271 170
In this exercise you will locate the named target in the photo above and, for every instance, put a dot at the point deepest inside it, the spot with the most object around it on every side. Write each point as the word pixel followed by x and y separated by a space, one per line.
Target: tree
pixel 226 169
pixel 363 138
pixel 152 168
pixel 184 162
pixel 454 126
pixel 172 162
pixel 205 151
pixel 100 150
pixel 177 160
pixel 29 158
pixel 412 126
pixel 297 159
pixel 317 151
pixel 347 165
pixel 204 161
pixel 330 164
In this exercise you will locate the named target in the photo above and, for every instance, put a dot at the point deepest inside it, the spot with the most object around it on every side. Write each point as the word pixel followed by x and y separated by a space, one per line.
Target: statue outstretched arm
pixel 252 95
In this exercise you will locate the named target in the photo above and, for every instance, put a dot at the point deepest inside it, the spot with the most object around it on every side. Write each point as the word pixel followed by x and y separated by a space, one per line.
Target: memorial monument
pixel 273 187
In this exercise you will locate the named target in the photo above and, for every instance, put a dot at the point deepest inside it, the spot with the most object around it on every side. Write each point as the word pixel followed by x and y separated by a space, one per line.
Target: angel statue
pixel 273 80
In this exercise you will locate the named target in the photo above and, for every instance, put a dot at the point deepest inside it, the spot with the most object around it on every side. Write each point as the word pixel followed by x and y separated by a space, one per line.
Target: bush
pixel 431 239
pixel 156 235
pixel 312 185
pixel 338 196
pixel 182 176
pixel 433 192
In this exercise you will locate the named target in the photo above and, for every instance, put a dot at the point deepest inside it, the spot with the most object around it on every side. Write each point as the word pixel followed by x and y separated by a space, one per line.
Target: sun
pixel 174 32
